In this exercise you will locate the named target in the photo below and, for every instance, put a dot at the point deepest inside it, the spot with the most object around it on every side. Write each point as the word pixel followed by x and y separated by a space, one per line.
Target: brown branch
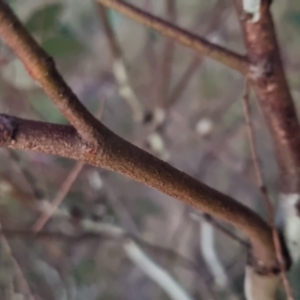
pixel 270 84
pixel 33 184
pixel 109 32
pixel 202 46
pixel 111 151
pixel 165 70
pixel 254 153
pixel 263 189
pixel 67 184
pixel 41 137
pixel 42 68
pixel 118 155
pixel 18 270
pixel 119 68
pixel 182 83
pixel 196 61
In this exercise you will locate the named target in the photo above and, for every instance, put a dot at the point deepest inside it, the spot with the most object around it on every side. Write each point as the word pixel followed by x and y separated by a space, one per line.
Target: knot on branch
pixel 262 69
pixel 260 268
pixel 8 128
pixel 278 266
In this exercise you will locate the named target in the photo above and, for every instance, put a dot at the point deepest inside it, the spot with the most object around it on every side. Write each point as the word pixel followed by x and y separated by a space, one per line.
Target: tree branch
pixel 119 68
pixel 119 155
pixel 264 192
pixel 111 151
pixel 42 68
pixel 218 53
pixel 166 60
pixel 270 84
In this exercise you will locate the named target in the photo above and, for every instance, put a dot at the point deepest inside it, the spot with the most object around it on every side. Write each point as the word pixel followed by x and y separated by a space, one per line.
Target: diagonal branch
pixel 42 68
pixel 111 151
pixel 119 155
pixel 232 60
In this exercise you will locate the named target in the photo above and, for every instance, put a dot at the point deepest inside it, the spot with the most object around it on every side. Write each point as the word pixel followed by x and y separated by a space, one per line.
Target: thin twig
pixel 64 189
pixel 19 272
pixel 119 69
pixel 220 54
pixel 122 212
pixel 27 175
pixel 165 70
pixel 185 78
pixel 109 232
pixel 264 192
pixel 221 228
pixel 196 61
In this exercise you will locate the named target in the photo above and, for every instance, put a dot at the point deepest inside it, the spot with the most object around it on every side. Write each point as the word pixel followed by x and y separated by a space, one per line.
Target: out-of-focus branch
pixel 134 252
pixel 18 271
pixel 179 88
pixel 196 61
pixel 139 257
pixel 155 272
pixel 119 69
pixel 33 184
pixel 218 226
pixel 165 69
pixel 45 216
pixel 220 54
pixel 121 211
pixel 102 231
pixel 212 260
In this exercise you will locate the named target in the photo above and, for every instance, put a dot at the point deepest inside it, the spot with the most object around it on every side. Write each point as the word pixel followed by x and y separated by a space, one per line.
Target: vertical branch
pixel 18 271
pixel 270 84
pixel 196 61
pixel 267 200
pixel 167 55
pixel 119 68
pixel 182 83
pixel 212 260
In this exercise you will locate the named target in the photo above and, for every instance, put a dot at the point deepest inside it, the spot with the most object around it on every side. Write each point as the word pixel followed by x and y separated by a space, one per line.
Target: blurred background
pixel 162 97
